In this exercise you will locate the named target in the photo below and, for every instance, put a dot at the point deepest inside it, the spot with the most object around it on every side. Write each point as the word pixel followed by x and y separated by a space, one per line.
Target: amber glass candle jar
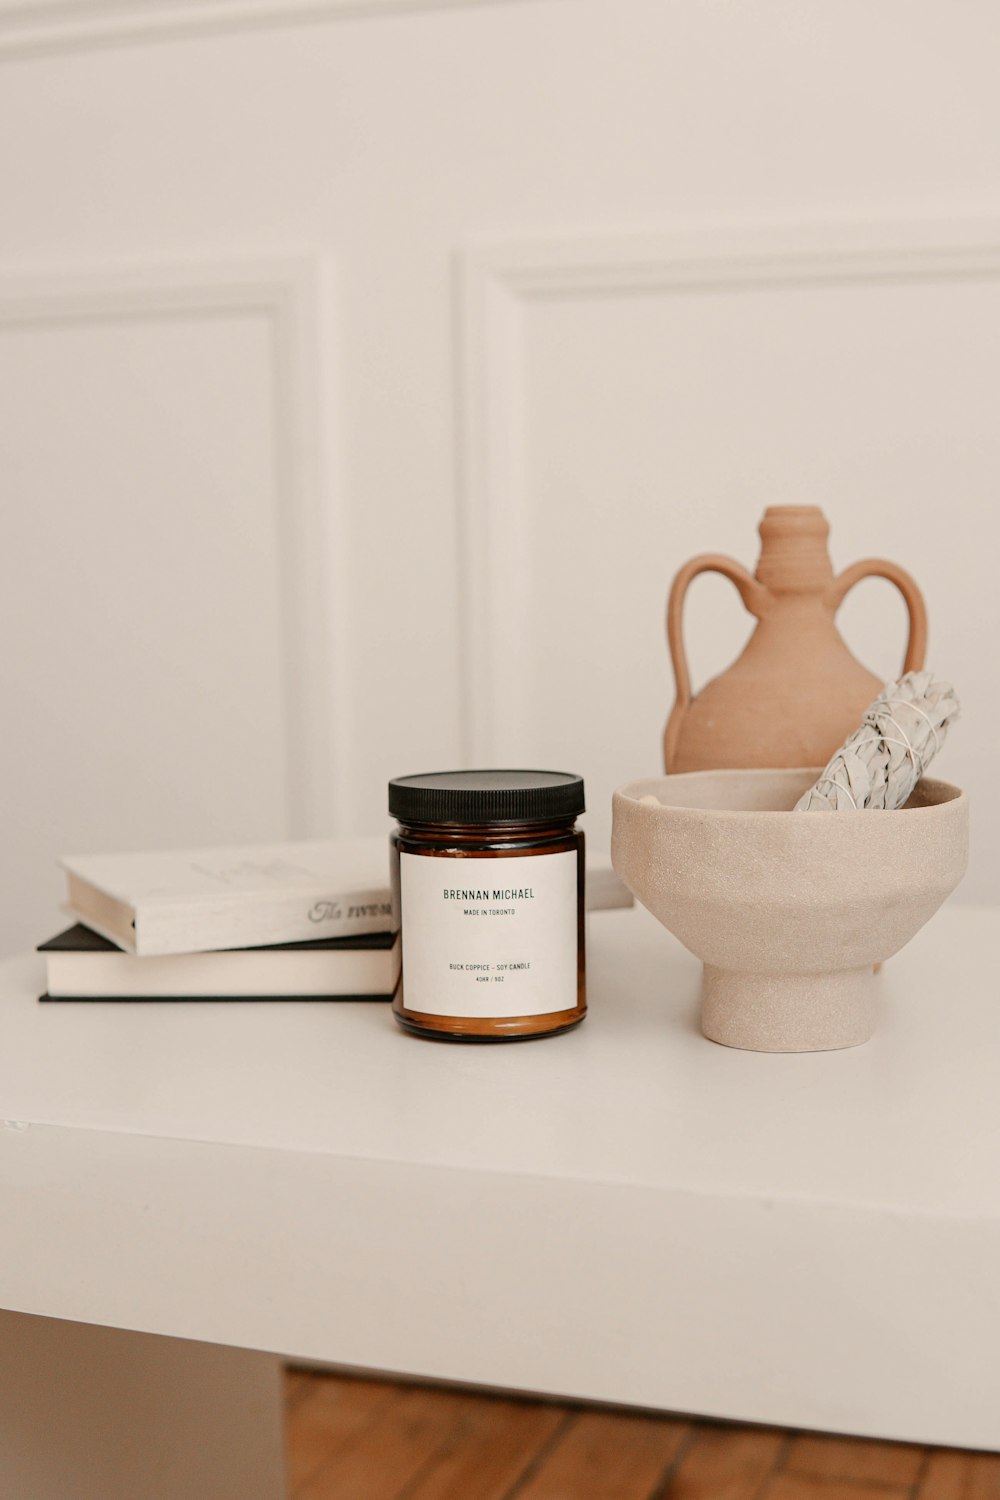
pixel 488 888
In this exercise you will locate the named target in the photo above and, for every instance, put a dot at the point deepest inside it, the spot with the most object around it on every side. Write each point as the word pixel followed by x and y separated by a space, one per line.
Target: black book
pixel 82 965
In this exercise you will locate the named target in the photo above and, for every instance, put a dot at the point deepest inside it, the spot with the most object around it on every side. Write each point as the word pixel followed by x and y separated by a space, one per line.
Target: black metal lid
pixel 486 797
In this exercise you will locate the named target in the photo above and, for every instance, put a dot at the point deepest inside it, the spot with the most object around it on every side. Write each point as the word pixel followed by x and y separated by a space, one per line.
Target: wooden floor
pixel 379 1440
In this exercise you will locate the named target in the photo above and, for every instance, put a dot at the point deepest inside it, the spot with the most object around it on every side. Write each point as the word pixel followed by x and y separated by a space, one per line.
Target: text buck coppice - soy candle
pixel 488 892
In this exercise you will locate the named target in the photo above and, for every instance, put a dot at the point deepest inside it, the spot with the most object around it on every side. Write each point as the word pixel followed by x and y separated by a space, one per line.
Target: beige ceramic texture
pixel 796 692
pixel 788 911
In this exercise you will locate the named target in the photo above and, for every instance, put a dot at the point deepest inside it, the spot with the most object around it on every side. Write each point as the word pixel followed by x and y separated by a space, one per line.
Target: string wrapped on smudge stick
pixel 882 761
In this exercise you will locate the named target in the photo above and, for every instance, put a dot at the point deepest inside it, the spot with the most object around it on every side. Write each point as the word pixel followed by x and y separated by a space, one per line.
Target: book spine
pixel 260 920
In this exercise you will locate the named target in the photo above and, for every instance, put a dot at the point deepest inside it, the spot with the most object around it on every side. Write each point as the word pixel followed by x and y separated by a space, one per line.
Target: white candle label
pixel 489 937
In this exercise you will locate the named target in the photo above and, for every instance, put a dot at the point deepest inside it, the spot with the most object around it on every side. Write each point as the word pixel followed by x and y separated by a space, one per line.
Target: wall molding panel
pixel 286 294
pixel 30 27
pixel 496 287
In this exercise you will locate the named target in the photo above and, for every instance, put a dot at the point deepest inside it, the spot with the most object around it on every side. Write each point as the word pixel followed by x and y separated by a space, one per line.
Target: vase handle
pixel 754 595
pixel 877 567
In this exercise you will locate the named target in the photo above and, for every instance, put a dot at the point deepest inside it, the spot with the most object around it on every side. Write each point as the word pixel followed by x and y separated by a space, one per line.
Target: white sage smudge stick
pixel 881 763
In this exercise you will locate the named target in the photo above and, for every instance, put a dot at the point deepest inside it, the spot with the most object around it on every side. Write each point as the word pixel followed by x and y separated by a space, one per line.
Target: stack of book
pixel 303 921
pixel 295 921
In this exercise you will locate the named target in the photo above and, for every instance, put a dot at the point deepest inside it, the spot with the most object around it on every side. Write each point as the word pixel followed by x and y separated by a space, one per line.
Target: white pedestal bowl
pixel 788 912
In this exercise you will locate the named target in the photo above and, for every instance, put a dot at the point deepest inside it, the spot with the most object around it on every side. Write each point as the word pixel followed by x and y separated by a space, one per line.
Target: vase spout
pixel 794 550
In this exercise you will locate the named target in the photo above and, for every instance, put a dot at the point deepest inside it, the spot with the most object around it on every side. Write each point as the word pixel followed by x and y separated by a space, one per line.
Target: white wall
pixel 367 369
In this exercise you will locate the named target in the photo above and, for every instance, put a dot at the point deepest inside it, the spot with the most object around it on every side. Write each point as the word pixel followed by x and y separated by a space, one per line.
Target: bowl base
pixel 788 1012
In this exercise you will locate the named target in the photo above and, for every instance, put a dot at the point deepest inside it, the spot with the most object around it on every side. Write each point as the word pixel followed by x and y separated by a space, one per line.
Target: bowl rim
pixel 955 796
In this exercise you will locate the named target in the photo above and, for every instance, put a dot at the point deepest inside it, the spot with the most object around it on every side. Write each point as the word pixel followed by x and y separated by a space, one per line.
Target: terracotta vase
pixel 796 692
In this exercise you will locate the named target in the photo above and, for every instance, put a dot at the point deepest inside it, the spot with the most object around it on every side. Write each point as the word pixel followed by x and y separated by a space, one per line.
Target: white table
pixel 627 1213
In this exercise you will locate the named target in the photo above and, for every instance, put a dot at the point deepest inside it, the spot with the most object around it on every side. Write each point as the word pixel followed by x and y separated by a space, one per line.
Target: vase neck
pixel 794 555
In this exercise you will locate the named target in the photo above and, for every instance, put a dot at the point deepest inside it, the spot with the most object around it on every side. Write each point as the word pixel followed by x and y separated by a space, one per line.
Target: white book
pixel 81 965
pixel 605 891
pixel 199 900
